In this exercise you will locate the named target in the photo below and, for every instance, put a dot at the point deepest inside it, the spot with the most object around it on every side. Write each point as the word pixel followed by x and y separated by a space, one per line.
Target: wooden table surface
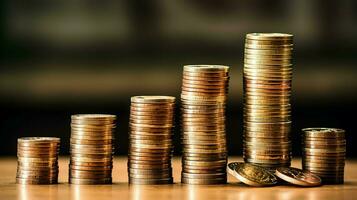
pixel 120 189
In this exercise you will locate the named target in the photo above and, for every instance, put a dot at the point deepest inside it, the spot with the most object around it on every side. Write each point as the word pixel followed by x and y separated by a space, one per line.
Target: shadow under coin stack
pixel 324 153
pixel 267 77
pixel 203 98
pixel 91 148
pixel 150 139
pixel 37 160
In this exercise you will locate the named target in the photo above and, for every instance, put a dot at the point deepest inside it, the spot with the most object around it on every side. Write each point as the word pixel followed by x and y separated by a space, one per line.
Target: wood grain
pixel 121 190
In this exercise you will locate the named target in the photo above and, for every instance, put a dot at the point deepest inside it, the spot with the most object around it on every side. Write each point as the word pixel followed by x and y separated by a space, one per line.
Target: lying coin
pixel 298 177
pixel 253 175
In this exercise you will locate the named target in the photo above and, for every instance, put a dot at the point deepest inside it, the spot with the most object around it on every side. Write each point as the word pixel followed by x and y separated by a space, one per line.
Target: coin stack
pixel 91 148
pixel 324 153
pixel 203 98
pixel 150 139
pixel 267 89
pixel 37 160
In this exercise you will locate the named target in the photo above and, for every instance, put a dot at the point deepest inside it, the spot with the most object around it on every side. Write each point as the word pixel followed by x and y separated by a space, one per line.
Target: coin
pixel 151 140
pixel 91 148
pixel 203 139
pixel 298 177
pixel 324 153
pixel 252 175
pixel 37 160
pixel 267 76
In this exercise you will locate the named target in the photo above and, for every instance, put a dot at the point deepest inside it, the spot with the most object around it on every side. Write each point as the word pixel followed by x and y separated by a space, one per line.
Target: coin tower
pixel 203 99
pixel 151 139
pixel 37 160
pixel 91 148
pixel 267 77
pixel 324 153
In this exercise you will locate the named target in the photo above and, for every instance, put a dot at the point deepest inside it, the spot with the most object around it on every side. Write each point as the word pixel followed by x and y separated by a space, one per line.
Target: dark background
pixel 64 57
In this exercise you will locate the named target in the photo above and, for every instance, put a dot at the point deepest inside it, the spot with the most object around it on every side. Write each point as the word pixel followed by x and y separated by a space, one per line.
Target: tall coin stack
pixel 324 153
pixel 91 148
pixel 203 98
pixel 37 160
pixel 150 139
pixel 267 77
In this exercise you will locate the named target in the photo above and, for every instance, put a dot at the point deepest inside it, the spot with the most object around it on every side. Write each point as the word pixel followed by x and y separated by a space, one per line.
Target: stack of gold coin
pixel 91 148
pixel 150 139
pixel 37 160
pixel 324 153
pixel 267 77
pixel 204 94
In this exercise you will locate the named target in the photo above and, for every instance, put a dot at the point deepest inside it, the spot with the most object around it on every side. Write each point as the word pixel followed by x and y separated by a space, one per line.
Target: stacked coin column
pixel 91 148
pixel 203 98
pixel 324 153
pixel 150 139
pixel 37 160
pixel 267 77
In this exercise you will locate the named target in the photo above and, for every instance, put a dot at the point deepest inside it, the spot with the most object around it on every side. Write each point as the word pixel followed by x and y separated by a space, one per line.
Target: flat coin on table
pixel 252 175
pixel 298 177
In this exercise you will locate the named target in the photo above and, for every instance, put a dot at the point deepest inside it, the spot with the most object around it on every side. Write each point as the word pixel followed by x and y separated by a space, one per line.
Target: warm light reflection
pixel 76 192
pixel 136 191
pixel 29 192
pixel 24 193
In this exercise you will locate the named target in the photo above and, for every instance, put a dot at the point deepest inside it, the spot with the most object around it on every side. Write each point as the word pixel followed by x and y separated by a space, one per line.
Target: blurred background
pixel 87 56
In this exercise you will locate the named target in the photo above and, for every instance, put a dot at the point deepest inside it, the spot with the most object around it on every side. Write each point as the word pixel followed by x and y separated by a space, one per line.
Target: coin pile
pixel 150 139
pixel 324 153
pixel 204 94
pixel 91 148
pixel 267 89
pixel 37 160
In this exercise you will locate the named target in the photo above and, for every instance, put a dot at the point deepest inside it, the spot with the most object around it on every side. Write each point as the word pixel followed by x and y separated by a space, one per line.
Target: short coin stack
pixel 324 153
pixel 91 148
pixel 267 89
pixel 150 136
pixel 204 94
pixel 37 160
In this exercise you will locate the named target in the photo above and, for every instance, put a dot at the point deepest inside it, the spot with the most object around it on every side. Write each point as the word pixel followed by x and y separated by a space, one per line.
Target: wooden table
pixel 121 190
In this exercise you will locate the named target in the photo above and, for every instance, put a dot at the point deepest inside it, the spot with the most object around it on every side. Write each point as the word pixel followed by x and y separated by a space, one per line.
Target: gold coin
pixel 252 175
pixel 270 36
